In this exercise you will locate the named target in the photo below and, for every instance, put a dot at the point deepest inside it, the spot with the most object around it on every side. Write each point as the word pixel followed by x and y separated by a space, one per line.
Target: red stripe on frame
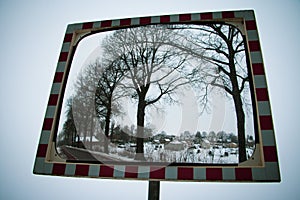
pixel 185 17
pixel 270 154
pixel 106 171
pixel 59 169
pixel 131 171
pixel 251 25
pixel 157 173
pixel 47 124
pixel 228 14
pixel 254 46
pixel 68 37
pixel 206 16
pixel 145 20
pixel 213 174
pixel 243 174
pixel 266 122
pixel 42 150
pixel 63 56
pixel 258 69
pixel 53 100
pixel 262 94
pixel 87 25
pixel 82 170
pixel 165 19
pixel 185 173
pixel 58 77
pixel 106 23
pixel 125 22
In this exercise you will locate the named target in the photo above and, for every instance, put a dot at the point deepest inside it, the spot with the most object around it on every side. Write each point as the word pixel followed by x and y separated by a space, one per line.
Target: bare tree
pixel 106 99
pixel 84 102
pixel 152 68
pixel 68 134
pixel 222 48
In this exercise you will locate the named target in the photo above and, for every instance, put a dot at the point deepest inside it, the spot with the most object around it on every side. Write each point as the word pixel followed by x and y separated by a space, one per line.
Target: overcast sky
pixel 31 36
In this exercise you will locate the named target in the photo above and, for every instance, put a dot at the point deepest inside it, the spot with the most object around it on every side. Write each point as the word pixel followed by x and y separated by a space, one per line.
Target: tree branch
pixel 243 83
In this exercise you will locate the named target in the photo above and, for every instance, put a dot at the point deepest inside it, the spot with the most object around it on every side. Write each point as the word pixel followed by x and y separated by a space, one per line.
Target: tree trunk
pixel 238 104
pixel 240 117
pixel 106 130
pixel 140 130
pixel 85 133
pixel 92 132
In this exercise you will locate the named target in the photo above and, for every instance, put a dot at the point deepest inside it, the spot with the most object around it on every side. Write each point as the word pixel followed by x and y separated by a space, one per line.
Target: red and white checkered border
pixel 270 170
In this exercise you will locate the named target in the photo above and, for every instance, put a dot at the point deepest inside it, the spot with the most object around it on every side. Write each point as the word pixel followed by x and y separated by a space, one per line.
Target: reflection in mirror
pixel 159 94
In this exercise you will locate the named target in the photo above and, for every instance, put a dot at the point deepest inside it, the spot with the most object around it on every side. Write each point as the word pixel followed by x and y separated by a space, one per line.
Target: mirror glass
pixel 159 94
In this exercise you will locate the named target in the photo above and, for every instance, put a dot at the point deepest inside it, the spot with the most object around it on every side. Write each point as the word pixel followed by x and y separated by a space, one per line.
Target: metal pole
pixel 153 192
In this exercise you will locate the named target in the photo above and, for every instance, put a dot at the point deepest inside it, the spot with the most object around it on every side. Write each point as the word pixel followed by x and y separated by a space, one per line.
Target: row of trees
pixel 149 65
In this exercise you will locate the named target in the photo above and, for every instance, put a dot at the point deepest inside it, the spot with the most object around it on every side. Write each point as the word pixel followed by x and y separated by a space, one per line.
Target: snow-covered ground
pixel 194 154
pixel 161 153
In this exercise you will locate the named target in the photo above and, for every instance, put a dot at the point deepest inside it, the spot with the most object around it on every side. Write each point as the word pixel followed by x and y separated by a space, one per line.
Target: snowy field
pixel 161 153
pixel 194 154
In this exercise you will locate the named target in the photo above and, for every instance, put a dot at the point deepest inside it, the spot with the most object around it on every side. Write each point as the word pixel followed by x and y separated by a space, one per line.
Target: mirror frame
pixel 263 166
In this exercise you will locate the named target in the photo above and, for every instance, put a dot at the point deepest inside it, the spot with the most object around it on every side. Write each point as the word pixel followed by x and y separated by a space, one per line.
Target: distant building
pixel 175 146
pixel 205 144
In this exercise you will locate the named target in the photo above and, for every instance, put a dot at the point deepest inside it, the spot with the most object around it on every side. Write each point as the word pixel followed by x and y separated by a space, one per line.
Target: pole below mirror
pixel 153 192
